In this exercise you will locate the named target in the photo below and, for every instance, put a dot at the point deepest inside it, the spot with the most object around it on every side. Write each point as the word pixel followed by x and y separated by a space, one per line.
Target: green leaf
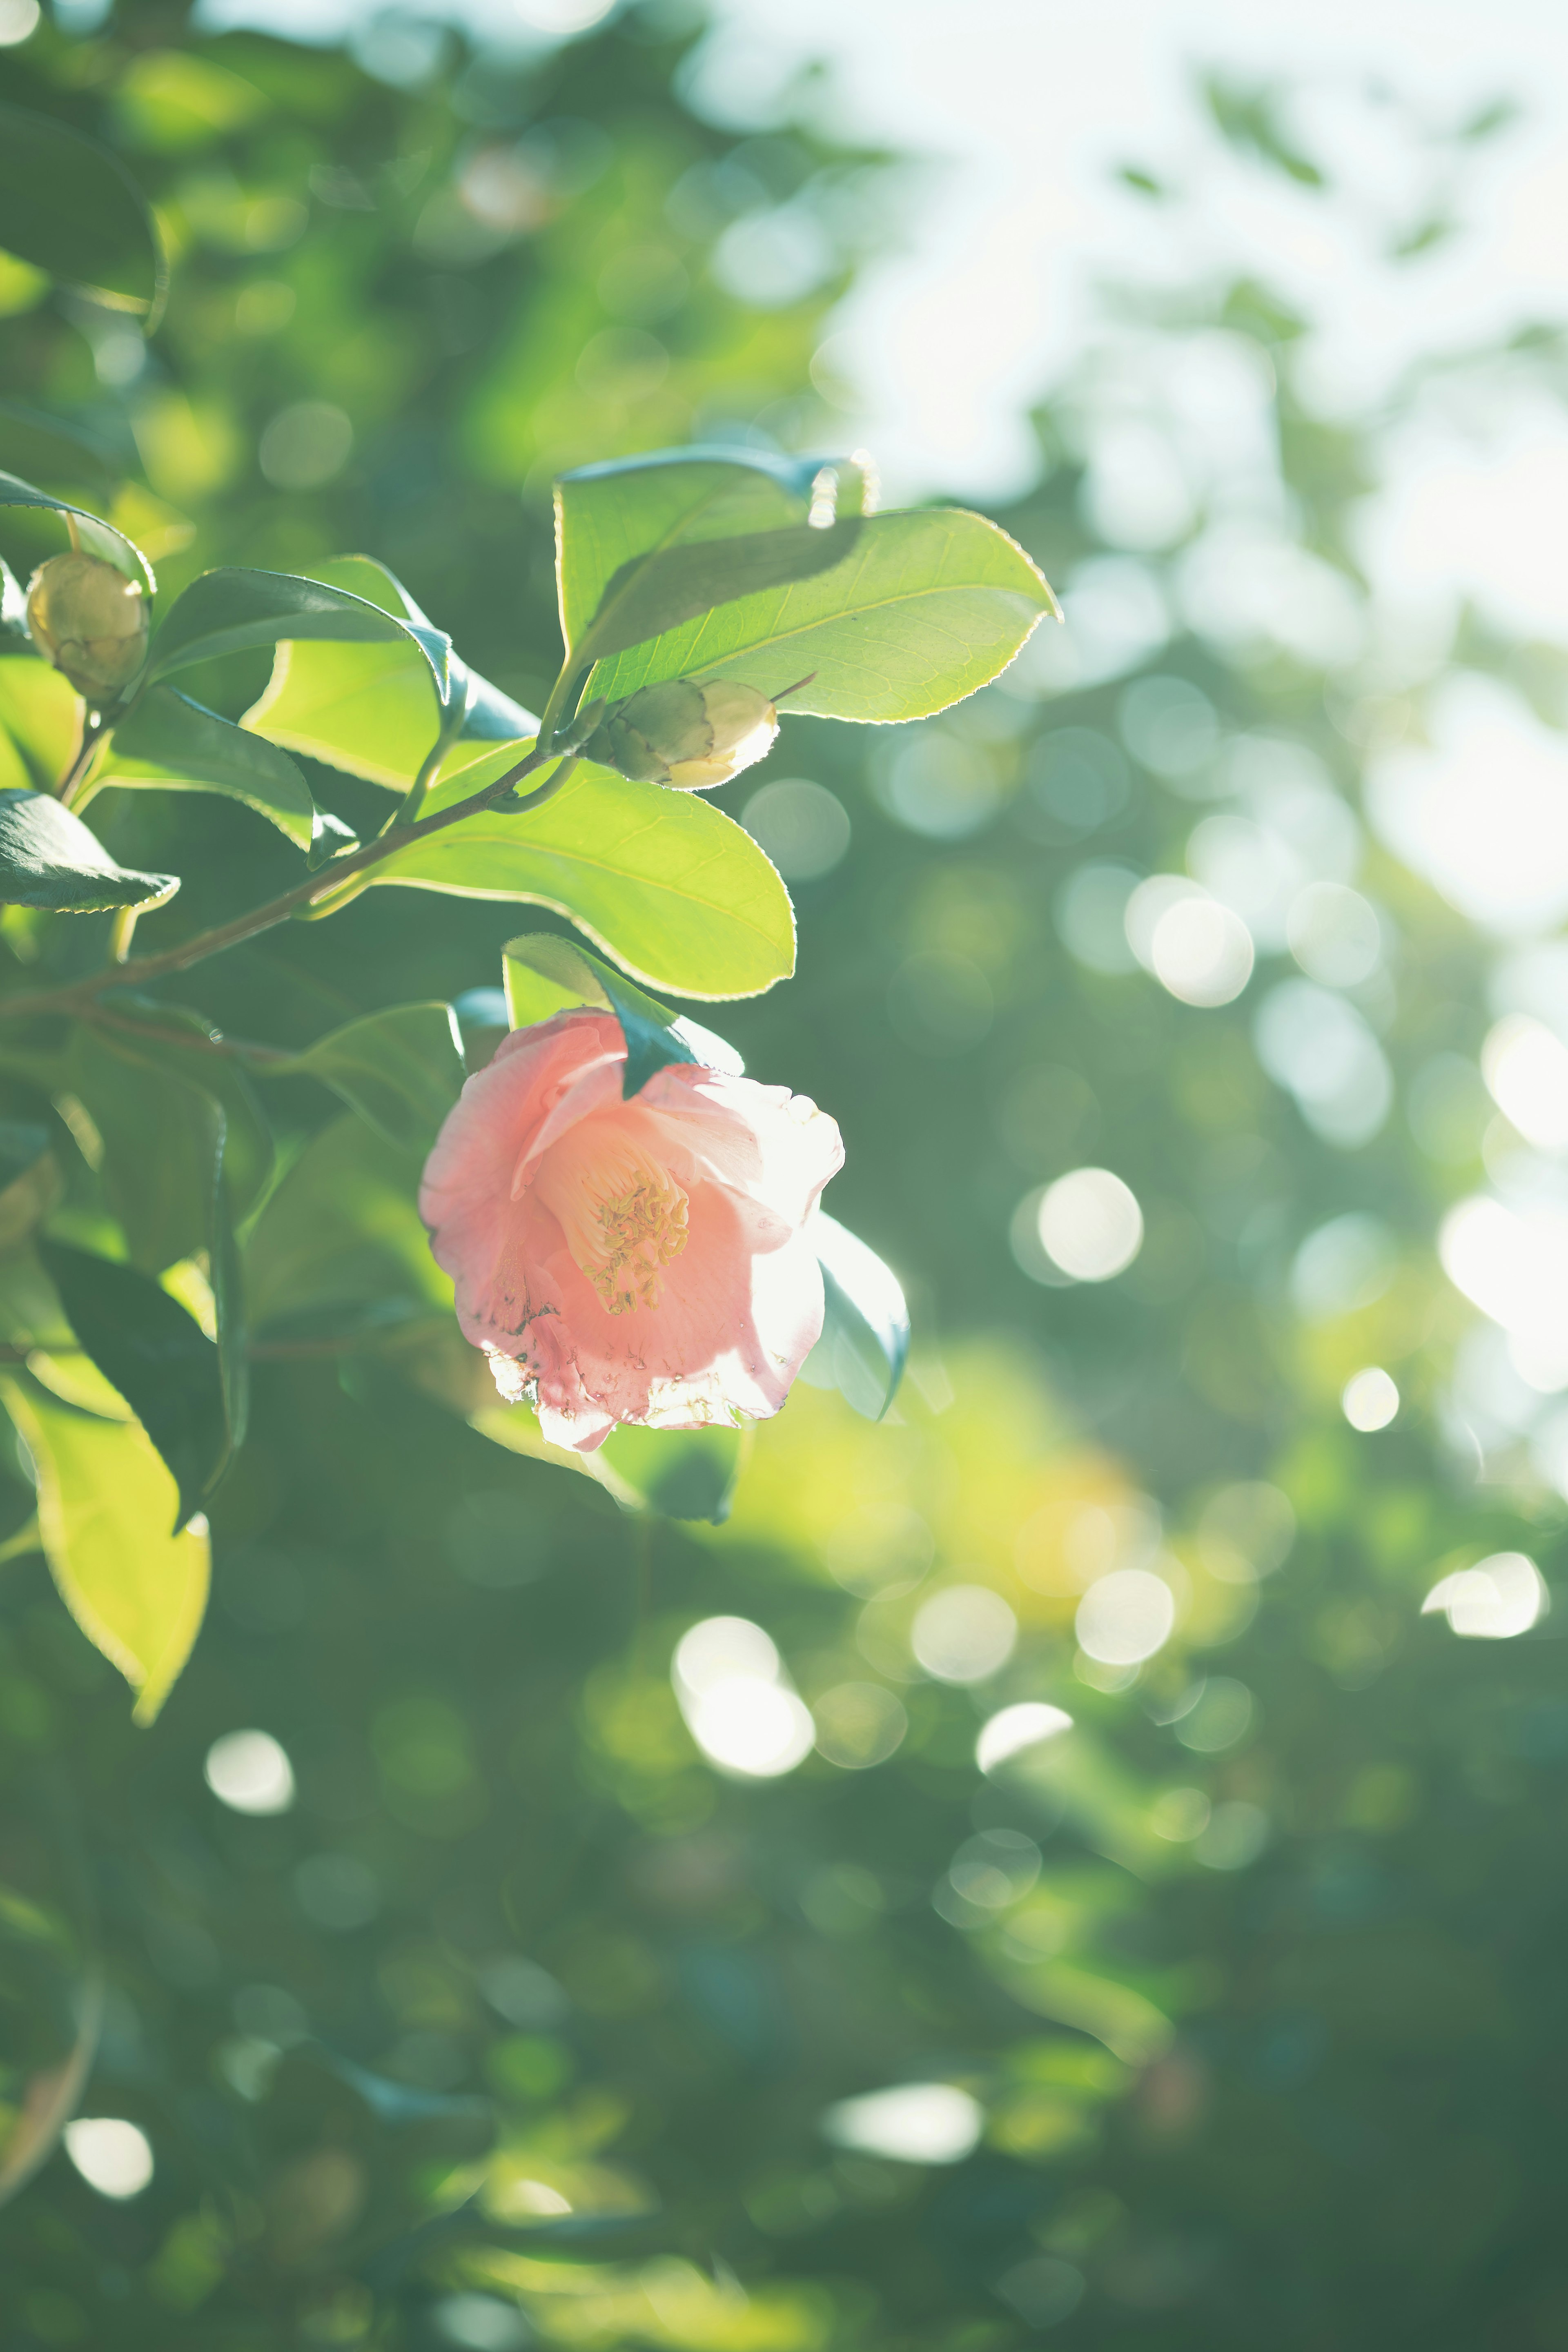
pixel 182 1042
pixel 656 592
pixel 927 608
pixel 370 709
pixel 866 1323
pixel 157 1356
pixel 169 741
pixel 608 515
pixel 401 1069
pixel 100 538
pixel 48 859
pixel 680 1473
pixel 72 208
pixel 66 452
pixel 163 1137
pixel 104 1501
pixel 40 725
pixel 229 610
pixel 29 1180
pixel 342 1230
pixel 546 974
pixel 667 886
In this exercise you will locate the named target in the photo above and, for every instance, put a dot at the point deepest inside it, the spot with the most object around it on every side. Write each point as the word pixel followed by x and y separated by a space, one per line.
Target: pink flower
pixel 641 1261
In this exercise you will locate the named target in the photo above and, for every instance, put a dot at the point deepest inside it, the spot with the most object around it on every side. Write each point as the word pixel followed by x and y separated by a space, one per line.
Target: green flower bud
pixel 686 735
pixel 89 620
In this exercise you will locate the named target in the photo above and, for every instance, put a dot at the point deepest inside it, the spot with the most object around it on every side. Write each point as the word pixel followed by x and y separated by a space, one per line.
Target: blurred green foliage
pixel 524 2019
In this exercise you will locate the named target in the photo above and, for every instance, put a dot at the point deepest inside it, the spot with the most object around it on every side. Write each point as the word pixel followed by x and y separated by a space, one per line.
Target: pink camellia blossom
pixel 642 1261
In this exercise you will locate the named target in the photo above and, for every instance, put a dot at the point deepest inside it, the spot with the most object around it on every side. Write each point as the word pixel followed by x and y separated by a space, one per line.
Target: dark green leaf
pixel 72 208
pixel 926 607
pixel 673 890
pixel 866 1323
pixel 170 742
pixel 342 1230
pixel 63 451
pixel 98 537
pixel 228 610
pixel 162 1136
pixel 157 1356
pixel 660 591
pixel 546 974
pixel 180 1041
pixel 402 1069
pixel 22 1146
pixel 48 859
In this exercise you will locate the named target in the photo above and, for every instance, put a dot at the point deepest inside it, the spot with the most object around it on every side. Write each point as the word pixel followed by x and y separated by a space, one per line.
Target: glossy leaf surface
pixel 167 741
pixel 928 607
pixel 547 974
pixel 669 887
pixel 72 208
pixel 157 1356
pixel 865 1337
pixel 49 858
pixel 230 610
pixel 401 1069
pixel 656 592
pixel 181 1042
pixel 371 709
pixel 105 1504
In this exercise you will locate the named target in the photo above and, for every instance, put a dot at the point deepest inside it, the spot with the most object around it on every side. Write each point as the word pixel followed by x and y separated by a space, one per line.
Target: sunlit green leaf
pixel 49 858
pixel 680 1473
pixel 169 741
pixel 656 592
pixel 157 1356
pixel 342 1230
pixel 675 891
pixel 928 607
pixel 608 515
pixel 371 709
pixel 106 1502
pixel 70 206
pixel 402 1069
pixel 229 610
pixel 865 1324
pixel 40 725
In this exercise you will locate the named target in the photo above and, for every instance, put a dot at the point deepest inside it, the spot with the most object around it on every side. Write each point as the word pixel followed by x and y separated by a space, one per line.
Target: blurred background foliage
pixel 501 2010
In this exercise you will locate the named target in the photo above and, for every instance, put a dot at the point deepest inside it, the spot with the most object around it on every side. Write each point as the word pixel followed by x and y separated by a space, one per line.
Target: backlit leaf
pixel 341 1232
pixel 169 741
pixel 927 606
pixel 157 1356
pixel 660 591
pixel 96 535
pixel 229 610
pixel 371 709
pixel 547 974
pixel 105 1502
pixel 48 859
pixel 40 725
pixel 664 884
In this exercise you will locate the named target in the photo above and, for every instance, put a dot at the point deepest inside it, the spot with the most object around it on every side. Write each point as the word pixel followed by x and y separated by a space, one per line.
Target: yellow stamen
pixel 623 1215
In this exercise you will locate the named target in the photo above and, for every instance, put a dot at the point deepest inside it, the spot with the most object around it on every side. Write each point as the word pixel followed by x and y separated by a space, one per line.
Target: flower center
pixel 623 1215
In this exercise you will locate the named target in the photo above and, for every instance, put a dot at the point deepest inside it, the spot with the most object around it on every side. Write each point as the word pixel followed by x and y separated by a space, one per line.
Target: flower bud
pixel 89 620
pixel 684 734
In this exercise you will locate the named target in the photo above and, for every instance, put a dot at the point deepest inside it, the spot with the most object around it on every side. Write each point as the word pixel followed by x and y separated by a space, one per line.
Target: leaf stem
pixel 78 994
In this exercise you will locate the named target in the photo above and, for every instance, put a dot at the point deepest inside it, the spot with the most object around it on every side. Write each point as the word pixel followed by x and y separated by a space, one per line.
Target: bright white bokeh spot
pixel 1511 1263
pixel 1525 1065
pixel 18 18
pixel 752 1727
pixel 1320 1048
pixel 1492 1602
pixel 1369 1399
pixel 1125 1617
pixel 1202 952
pixel 1015 1730
pixel 965 1634
pixel 919 2122
pixel 562 18
pixel 721 1647
pixel 1334 934
pixel 112 2156
pixel 1090 1224
pixel 249 1772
